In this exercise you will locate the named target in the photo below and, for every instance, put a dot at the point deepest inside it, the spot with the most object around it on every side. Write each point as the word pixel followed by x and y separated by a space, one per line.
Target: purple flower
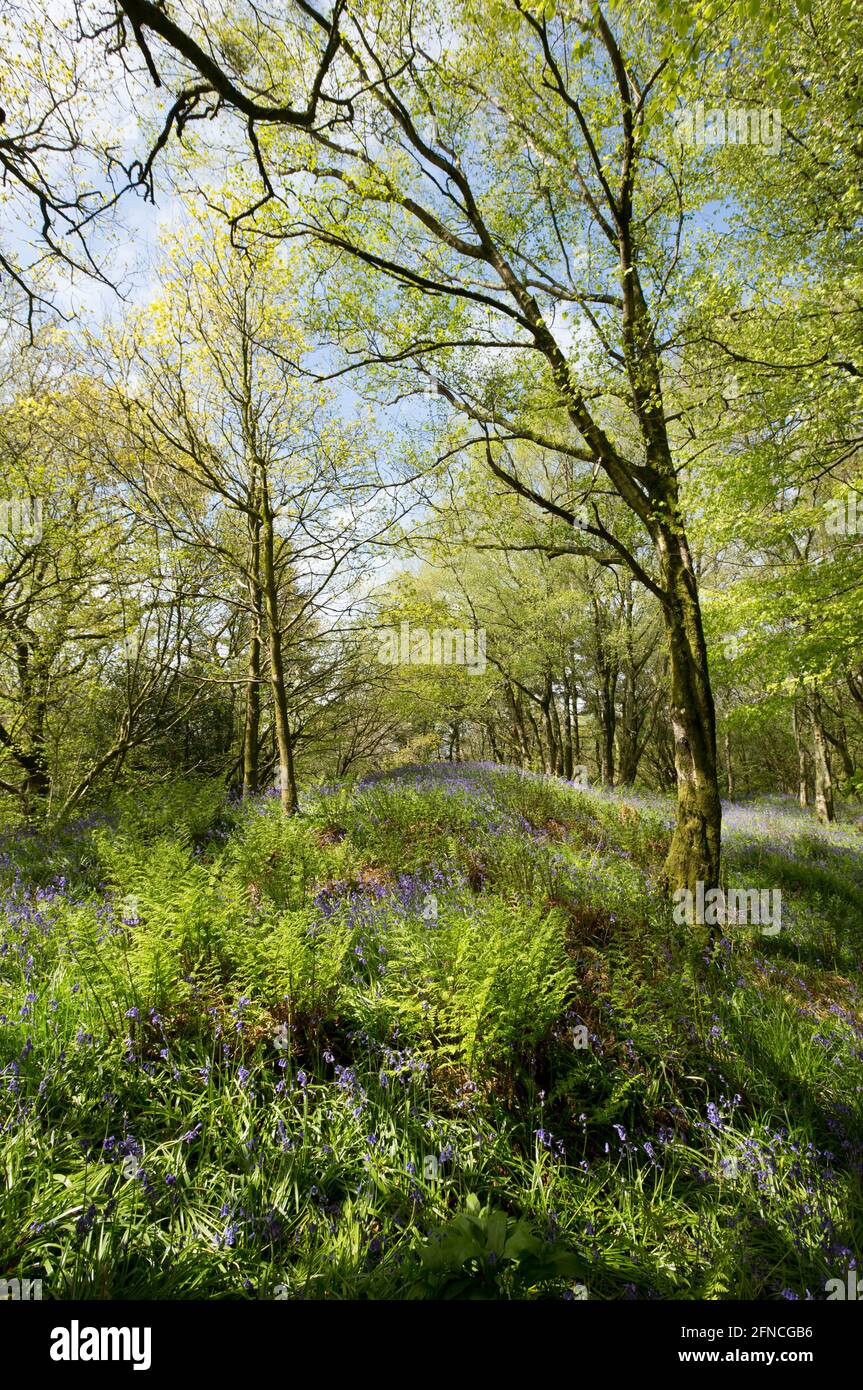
pixel 85 1222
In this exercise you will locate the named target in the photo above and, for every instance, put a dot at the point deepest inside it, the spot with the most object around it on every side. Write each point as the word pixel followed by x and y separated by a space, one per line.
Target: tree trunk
pixel 568 760
pixel 729 768
pixel 821 760
pixel 252 722
pixel 287 779
pixel 558 735
pixel 605 698
pixel 518 724
pixel 606 687
pixel 37 783
pixel 804 767
pixel 695 847
pixel 538 737
pixel 839 741
pixel 629 727
pixel 546 704
pixel 627 731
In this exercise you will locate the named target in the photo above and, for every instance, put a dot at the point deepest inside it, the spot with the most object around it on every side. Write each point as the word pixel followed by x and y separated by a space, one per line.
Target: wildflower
pixel 85 1222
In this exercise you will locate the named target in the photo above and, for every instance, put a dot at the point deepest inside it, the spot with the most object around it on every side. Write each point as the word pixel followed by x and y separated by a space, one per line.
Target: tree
pixel 229 448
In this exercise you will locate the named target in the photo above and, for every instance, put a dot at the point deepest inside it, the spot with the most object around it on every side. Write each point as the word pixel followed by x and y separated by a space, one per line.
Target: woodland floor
pixel 437 1036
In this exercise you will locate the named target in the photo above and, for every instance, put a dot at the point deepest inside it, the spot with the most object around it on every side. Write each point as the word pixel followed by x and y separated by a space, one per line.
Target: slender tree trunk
pixel 627 731
pixel 518 724
pixel 606 688
pixel 454 754
pixel 804 768
pixel 568 760
pixel 251 726
pixel 629 725
pixel 538 738
pixel 729 767
pixel 605 697
pixel 546 705
pixel 694 854
pixel 821 760
pixel 252 720
pixel 558 737
pixel 287 778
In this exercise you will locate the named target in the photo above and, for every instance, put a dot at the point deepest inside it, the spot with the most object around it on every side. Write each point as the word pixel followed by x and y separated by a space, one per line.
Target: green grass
pixel 438 1036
